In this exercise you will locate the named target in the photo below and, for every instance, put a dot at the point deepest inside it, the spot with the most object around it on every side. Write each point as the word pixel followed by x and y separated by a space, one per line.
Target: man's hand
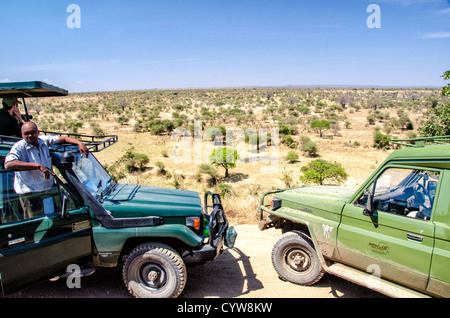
pixel 46 172
pixel 17 114
pixel 83 149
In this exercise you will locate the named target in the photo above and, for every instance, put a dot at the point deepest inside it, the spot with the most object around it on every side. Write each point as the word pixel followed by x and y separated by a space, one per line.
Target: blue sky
pixel 143 44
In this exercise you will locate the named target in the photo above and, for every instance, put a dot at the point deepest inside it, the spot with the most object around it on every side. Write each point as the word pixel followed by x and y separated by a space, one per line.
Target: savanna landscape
pixel 347 126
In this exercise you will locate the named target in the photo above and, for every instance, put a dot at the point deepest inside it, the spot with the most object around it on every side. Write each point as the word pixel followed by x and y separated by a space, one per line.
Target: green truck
pixel 87 220
pixel 391 235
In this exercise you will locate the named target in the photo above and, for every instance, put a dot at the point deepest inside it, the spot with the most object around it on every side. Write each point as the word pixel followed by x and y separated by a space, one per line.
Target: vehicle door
pixel 40 234
pixel 392 237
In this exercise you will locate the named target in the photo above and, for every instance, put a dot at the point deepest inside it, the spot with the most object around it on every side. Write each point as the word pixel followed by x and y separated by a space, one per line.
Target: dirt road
pixel 245 271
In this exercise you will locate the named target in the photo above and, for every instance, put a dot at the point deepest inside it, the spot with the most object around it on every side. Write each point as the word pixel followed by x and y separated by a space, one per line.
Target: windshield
pixel 93 176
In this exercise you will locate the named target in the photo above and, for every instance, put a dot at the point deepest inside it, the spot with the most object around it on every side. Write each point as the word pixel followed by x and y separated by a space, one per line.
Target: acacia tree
pixel 224 157
pixel 343 99
pixel 439 122
pixel 320 125
pixel 318 171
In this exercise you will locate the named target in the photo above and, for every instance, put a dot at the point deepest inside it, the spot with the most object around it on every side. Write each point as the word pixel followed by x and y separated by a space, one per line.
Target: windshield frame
pixel 93 175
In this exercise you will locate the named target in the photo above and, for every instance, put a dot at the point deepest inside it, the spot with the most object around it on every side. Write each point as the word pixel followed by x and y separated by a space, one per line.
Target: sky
pixel 146 44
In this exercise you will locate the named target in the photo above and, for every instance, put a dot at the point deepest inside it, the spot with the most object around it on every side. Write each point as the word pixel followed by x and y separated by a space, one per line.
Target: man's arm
pixel 83 149
pixel 25 166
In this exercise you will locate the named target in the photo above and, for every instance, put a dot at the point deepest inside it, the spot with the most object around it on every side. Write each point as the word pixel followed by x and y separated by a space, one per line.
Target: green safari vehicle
pixel 391 235
pixel 88 220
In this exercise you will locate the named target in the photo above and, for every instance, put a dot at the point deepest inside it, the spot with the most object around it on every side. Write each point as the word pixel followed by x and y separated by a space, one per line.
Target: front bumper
pixel 219 233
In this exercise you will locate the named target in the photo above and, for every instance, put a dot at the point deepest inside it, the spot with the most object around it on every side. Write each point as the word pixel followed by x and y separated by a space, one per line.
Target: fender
pixel 109 243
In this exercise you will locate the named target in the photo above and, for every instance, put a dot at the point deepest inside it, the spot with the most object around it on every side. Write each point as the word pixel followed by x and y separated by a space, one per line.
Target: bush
pixel 135 161
pixel 161 167
pixel 292 156
pixel 285 130
pixel 289 141
pixel 319 171
pixel 224 189
pixel 310 148
pixel 210 171
pixel 381 141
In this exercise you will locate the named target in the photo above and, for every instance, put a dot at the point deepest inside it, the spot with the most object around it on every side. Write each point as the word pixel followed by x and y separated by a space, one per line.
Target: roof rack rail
pixel 422 141
pixel 8 140
pixel 93 143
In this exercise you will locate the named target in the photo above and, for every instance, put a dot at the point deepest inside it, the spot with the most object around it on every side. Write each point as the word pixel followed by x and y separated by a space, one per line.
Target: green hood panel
pixel 311 198
pixel 139 201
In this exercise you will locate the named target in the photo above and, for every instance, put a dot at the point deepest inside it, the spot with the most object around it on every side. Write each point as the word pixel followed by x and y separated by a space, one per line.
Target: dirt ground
pixel 243 272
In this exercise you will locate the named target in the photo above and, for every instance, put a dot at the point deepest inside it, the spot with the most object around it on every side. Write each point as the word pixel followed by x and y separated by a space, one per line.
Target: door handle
pixel 16 241
pixel 414 237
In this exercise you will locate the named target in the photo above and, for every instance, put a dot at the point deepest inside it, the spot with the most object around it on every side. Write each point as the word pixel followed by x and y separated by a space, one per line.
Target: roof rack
pixel 422 141
pixel 93 143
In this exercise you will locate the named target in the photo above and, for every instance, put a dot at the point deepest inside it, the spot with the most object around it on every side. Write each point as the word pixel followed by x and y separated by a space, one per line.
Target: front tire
pixel 296 260
pixel 154 271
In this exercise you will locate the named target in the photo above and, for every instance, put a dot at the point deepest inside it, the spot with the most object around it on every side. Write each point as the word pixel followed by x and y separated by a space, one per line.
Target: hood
pixel 140 201
pixel 328 198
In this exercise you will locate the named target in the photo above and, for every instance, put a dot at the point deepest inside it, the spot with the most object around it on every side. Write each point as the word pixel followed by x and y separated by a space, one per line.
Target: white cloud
pixel 437 35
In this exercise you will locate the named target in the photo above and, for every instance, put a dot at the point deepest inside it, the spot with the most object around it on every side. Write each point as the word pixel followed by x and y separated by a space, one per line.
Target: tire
pixel 154 271
pixel 296 260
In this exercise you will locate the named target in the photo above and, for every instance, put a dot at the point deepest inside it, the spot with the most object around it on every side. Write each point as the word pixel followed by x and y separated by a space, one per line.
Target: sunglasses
pixel 29 133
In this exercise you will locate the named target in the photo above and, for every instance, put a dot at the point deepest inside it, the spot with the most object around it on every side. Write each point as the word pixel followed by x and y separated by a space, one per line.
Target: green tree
pixel 319 171
pixel 224 157
pixel 320 125
pixel 439 116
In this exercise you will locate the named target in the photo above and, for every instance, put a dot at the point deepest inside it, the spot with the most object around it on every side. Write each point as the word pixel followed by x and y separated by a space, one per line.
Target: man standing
pixel 10 117
pixel 31 157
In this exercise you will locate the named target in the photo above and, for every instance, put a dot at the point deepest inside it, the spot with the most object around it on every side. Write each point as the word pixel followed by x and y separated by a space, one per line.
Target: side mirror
pixel 368 211
pixel 67 159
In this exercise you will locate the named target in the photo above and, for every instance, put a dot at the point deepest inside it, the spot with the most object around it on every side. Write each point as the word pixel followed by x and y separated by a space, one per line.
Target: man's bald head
pixel 29 125
pixel 30 133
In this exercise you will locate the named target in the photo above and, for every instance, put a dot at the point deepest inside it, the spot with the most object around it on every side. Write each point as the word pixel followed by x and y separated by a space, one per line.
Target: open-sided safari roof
pixel 30 89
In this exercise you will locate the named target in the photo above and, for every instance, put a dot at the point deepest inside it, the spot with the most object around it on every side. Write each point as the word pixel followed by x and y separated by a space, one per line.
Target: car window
pixel 407 192
pixel 15 207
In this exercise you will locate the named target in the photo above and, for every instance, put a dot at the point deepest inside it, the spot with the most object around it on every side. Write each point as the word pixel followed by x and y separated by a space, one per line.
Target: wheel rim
pixel 298 260
pixel 153 275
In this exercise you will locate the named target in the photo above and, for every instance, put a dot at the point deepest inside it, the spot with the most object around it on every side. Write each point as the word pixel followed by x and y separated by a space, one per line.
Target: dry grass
pixel 352 147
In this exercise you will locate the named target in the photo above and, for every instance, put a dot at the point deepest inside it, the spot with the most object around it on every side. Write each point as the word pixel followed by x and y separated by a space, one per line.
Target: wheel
pixel 296 260
pixel 154 271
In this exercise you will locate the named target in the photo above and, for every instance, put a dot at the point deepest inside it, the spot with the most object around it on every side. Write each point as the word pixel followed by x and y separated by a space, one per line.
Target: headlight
pixel 275 203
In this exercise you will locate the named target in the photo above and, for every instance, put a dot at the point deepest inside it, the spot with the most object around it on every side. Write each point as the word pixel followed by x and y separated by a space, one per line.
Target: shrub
pixel 289 141
pixel 224 189
pixel 161 167
pixel 381 141
pixel 210 171
pixel 310 148
pixel 292 156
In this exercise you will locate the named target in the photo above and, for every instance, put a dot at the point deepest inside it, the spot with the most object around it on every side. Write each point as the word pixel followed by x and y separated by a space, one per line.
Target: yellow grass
pixel 247 181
